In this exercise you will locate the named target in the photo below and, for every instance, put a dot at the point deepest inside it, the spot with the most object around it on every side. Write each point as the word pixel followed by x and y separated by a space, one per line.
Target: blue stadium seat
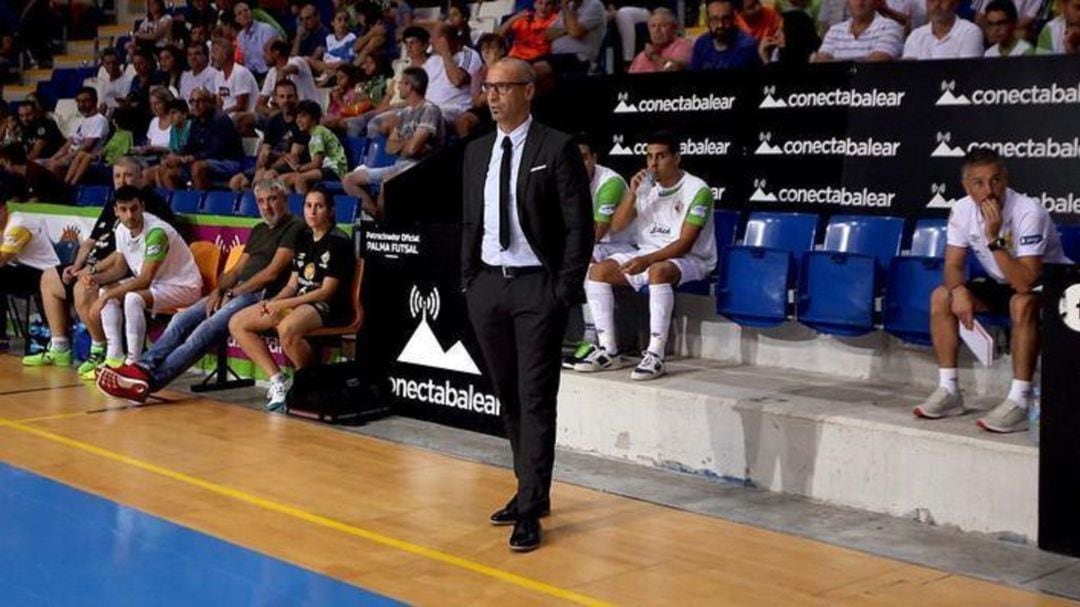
pixel 248 206
pixel 66 250
pixel 333 188
pixel 93 195
pixel 355 150
pixel 725 227
pixel 912 278
pixel 165 193
pixel 186 202
pixel 1070 241
pixel 754 278
pixel 838 285
pixel 377 155
pixel 219 202
pixel 345 209
pixel 296 205
pixel 47 94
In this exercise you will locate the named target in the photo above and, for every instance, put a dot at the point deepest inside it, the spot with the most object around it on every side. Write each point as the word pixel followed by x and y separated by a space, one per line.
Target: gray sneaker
pixel 1009 416
pixel 650 367
pixel 598 359
pixel 941 404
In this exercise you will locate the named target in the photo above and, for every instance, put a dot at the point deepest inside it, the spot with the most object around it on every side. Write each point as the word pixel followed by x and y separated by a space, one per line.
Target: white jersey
pixel 661 213
pixel 304 81
pixel 607 188
pixel 189 81
pixel 159 241
pixel 240 82
pixel 1026 227
pixel 25 237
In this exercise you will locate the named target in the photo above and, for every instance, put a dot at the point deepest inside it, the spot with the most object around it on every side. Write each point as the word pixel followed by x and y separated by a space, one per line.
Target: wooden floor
pixel 411 524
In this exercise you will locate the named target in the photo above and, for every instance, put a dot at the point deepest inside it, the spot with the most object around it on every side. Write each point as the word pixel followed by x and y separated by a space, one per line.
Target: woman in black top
pixel 317 295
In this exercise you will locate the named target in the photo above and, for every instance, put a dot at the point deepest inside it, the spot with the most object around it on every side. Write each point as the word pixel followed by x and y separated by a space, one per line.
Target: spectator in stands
pixel 946 36
pixel 666 50
pixel 457 17
pixel 234 84
pixel 252 37
pixel 25 252
pixel 28 181
pixel 113 84
pixel 179 125
pixel 316 295
pixel 416 41
pixel 338 48
pixel 311 37
pixel 758 20
pixel 607 188
pixel 528 31
pixel 724 46
pixel 201 74
pixel 213 151
pixel 1012 236
pixel 136 105
pixel 451 70
pixel 263 268
pixel 1061 35
pixel 1027 14
pixel 165 277
pixel 88 134
pixel 159 132
pixel 377 35
pixel 295 69
pixel 10 127
pixel 627 14
pixel 282 145
pixel 413 133
pixel 673 212
pixel 154 30
pixel 347 98
pixel 199 13
pixel 1000 23
pixel 793 44
pixel 576 35
pixel 328 161
pixel 908 13
pixel 172 62
pixel 478 117
pixel 38 133
pixel 866 36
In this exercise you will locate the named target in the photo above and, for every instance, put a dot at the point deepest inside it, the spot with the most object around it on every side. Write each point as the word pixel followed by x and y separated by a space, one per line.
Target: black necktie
pixel 504 193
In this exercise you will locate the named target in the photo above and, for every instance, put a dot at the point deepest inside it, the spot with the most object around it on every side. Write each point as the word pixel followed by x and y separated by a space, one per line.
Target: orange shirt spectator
pixel 528 29
pixel 758 20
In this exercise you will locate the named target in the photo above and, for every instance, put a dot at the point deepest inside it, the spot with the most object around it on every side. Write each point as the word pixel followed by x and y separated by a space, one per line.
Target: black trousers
pixel 520 327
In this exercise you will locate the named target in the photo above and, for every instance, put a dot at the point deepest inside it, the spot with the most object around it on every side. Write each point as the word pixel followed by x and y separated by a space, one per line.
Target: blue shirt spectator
pixel 724 46
pixel 214 137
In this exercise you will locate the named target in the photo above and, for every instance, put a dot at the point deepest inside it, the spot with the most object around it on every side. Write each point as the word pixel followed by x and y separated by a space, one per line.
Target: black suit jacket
pixel 553 202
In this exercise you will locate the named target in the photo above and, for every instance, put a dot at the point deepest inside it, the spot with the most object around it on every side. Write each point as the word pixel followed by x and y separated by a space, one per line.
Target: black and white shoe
pixel 598 359
pixel 650 367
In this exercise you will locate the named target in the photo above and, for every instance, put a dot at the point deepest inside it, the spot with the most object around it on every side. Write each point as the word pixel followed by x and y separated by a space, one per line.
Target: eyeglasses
pixel 502 88
pixel 998 23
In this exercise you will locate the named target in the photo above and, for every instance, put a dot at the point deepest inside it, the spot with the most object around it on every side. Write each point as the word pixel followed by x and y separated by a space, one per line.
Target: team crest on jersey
pixel 324 259
pixel 309 272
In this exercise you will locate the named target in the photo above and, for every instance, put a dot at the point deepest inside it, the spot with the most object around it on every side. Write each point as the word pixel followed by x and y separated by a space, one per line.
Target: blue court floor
pixel 62 546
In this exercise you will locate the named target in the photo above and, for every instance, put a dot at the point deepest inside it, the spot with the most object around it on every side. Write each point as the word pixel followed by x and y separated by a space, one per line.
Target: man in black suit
pixel 526 245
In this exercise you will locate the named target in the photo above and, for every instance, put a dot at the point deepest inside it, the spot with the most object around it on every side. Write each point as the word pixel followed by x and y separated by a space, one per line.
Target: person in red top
pixel 758 20
pixel 528 29
pixel 665 51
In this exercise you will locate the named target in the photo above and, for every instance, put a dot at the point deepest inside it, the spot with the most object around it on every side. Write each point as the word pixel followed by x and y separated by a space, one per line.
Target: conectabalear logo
pixel 937 197
pixel 705 146
pixel 871 99
pixel 1053 94
pixel 832 146
pixel 681 103
pixel 841 196
pixel 1047 148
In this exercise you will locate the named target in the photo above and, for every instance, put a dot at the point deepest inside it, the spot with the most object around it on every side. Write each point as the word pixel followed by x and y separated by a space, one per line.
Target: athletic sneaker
pixel 275 397
pixel 113 384
pixel 579 354
pixel 1009 416
pixel 650 367
pixel 92 362
pixel 598 359
pixel 941 403
pixel 134 372
pixel 48 358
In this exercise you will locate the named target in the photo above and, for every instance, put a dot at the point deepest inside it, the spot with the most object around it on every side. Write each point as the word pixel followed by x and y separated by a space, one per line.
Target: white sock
pixel 601 300
pixel 661 302
pixel 112 321
pixel 948 379
pixel 1020 392
pixel 96 346
pixel 590 326
pixel 59 344
pixel 135 319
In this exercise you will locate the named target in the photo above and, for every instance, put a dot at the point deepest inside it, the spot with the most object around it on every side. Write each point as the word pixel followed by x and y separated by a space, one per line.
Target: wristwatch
pixel 996 244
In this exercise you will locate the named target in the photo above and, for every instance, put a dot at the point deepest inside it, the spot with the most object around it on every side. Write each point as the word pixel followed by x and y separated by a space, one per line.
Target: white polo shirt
pixel 109 91
pixel 882 36
pixel 304 81
pixel 239 82
pixel 1022 47
pixel 25 237
pixel 189 81
pixel 1026 227
pixel 964 40
pixel 441 91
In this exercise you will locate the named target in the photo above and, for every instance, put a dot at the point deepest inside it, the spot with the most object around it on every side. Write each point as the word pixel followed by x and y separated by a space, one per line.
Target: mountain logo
pixel 947 96
pixel 944 150
pixel 766 147
pixel 770 101
pixel 617 147
pixel 761 194
pixel 423 348
pixel 938 200
pixel 623 106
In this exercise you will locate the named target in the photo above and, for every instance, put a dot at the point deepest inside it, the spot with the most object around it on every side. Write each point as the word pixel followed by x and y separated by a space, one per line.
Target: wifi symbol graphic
pixel 420 304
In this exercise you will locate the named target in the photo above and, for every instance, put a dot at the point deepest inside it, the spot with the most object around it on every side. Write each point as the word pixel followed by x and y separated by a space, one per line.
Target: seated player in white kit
pixel 673 214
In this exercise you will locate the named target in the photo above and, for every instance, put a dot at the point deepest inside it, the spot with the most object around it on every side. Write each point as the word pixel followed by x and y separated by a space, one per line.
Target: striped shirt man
pixel 883 39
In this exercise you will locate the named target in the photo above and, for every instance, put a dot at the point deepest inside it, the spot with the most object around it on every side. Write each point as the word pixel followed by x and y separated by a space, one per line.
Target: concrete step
pixel 71 60
pixel 114 30
pixel 32 77
pixel 82 47
pixel 18 92
pixel 845 442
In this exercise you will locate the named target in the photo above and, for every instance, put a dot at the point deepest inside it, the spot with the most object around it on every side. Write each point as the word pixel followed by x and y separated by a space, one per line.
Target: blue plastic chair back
pixel 792 232
pixel 377 155
pixel 93 195
pixel 725 227
pixel 929 238
pixel 345 209
pixel 186 202
pixel 165 193
pixel 1070 241
pixel 836 292
pixel 907 297
pixel 248 206
pixel 296 205
pixel 355 150
pixel 866 235
pixel 66 250
pixel 219 203
pixel 47 94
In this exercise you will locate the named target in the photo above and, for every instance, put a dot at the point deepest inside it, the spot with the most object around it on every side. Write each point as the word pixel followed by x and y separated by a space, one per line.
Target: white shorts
pixel 689 270
pixel 171 297
pixel 604 250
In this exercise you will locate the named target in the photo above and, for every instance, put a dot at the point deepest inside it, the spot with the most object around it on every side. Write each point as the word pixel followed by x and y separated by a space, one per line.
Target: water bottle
pixel 647 183
pixel 1034 415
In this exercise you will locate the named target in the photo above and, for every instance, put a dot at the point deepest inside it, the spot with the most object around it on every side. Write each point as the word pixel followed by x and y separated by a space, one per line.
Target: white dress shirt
pixel 964 40
pixel 520 252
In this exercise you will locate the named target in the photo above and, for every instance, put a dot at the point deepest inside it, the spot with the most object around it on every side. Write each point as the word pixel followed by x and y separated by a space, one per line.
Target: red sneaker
pixel 114 384
pixel 134 372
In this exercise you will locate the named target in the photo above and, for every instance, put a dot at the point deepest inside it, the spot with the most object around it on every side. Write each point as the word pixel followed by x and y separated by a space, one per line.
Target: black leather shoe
pixel 526 535
pixel 508 515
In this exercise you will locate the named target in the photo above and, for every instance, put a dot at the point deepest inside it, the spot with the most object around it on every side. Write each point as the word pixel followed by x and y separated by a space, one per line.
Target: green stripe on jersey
pixel 700 208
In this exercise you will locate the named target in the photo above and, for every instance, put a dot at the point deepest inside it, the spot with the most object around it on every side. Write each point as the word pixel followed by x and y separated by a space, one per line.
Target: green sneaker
pixel 86 369
pixel 583 350
pixel 48 358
